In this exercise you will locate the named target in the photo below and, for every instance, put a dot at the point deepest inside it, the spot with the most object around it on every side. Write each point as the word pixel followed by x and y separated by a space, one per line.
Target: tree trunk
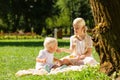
pixel 106 38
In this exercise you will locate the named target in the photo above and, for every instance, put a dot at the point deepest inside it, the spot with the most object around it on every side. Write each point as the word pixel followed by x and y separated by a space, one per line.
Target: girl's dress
pixel 80 48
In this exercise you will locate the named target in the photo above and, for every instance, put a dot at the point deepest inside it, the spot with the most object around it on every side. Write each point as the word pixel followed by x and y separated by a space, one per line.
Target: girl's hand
pixel 58 50
pixel 81 57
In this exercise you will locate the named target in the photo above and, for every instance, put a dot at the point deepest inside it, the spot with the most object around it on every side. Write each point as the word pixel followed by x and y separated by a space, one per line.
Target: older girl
pixel 80 45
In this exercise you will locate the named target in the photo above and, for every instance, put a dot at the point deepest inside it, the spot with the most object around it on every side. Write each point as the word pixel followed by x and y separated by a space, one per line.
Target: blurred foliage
pixel 40 15
pixel 25 14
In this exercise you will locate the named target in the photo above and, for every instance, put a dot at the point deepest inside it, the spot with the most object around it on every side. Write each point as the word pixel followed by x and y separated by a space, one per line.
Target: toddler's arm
pixel 41 60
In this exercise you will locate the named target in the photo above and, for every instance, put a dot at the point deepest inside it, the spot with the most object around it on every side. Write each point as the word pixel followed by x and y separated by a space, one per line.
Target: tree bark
pixel 106 38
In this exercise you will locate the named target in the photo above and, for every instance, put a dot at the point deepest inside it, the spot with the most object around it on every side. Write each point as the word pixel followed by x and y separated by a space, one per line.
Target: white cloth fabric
pixel 53 71
pixel 49 59
pixel 80 48
pixel 82 45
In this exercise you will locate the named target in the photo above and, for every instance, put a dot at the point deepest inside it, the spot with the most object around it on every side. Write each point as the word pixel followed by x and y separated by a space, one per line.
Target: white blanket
pixel 61 69
pixel 53 71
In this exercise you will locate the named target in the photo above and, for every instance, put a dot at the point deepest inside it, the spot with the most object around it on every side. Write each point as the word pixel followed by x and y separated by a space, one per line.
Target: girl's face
pixel 78 30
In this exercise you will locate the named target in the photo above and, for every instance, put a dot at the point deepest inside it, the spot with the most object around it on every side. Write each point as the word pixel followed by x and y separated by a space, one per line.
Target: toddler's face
pixel 54 47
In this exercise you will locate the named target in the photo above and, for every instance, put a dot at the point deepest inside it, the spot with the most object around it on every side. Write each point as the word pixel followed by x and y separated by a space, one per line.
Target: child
pixel 80 45
pixel 45 59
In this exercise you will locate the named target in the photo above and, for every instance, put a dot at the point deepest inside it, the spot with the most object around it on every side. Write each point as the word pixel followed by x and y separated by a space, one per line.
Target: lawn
pixel 20 54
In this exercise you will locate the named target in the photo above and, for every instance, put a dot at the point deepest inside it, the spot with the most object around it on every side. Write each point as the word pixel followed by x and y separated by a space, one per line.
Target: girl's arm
pixel 59 50
pixel 66 50
pixel 71 50
pixel 87 53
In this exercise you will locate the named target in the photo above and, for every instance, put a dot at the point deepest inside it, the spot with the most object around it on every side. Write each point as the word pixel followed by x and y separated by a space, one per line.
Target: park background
pixel 25 23
pixel 42 17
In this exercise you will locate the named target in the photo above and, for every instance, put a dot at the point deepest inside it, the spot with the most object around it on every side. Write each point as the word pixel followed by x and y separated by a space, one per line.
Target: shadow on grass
pixel 30 43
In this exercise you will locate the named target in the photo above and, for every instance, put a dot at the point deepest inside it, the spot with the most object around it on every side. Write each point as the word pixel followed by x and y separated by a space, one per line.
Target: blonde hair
pixel 80 22
pixel 49 41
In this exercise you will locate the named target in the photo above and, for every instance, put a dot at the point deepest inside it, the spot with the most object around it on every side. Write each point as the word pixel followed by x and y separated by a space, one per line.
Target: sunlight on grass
pixel 19 54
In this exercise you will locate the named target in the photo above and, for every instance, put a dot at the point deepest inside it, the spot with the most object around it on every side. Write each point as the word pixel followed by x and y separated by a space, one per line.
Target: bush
pixel 17 36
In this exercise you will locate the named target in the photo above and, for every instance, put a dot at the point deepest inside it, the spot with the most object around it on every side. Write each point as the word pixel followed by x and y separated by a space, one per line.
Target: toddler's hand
pixel 44 60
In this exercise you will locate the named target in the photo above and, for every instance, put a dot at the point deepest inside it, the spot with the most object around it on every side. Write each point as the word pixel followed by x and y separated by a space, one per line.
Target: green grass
pixel 20 54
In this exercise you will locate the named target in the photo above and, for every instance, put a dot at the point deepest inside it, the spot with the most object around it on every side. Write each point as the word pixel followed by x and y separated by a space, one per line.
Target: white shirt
pixel 49 59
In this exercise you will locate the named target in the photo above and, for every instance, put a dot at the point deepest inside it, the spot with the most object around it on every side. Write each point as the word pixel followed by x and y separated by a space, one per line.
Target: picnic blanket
pixel 61 69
